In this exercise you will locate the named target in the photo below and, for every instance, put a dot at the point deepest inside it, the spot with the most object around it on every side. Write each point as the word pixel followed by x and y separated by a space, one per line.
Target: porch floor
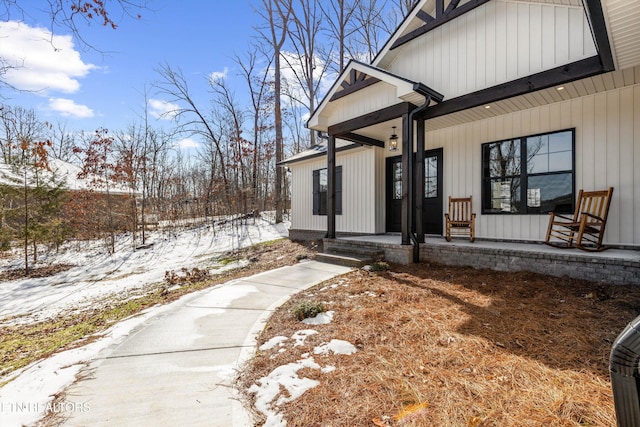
pixel 615 266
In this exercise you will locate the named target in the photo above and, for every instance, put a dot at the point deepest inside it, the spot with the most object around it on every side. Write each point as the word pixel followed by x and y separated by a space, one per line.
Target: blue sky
pixel 88 89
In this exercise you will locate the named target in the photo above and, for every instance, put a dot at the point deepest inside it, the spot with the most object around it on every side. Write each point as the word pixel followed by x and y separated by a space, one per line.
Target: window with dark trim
pixel 431 177
pixel 529 175
pixel 320 191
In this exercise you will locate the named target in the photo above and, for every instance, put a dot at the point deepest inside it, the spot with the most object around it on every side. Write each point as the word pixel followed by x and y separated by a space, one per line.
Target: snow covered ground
pixel 97 275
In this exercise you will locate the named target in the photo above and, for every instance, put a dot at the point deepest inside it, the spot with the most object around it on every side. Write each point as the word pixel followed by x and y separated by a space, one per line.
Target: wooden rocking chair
pixel 585 229
pixel 460 218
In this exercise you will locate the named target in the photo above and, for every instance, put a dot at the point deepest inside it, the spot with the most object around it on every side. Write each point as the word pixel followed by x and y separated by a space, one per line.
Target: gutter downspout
pixel 625 375
pixel 418 88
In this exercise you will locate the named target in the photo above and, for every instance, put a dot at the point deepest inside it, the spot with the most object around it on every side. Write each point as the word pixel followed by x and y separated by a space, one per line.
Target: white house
pixel 517 103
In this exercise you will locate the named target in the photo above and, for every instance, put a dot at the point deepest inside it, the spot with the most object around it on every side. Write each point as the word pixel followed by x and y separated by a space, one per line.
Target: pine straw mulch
pixel 448 346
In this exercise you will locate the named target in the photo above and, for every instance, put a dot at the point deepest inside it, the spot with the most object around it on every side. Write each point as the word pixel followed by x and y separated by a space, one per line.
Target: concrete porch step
pixel 351 256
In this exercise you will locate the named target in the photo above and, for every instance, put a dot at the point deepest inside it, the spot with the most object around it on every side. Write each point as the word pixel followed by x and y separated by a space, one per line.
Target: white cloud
pixel 292 68
pixel 218 75
pixel 162 109
pixel 187 143
pixel 68 108
pixel 42 61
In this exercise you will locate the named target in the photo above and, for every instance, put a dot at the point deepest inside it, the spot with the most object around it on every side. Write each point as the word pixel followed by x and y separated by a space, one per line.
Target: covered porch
pixel 613 266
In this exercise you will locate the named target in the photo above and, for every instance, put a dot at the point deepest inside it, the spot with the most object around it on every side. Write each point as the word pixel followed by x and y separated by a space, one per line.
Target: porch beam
pixel 331 187
pixel 595 16
pixel 545 79
pixel 373 118
pixel 360 139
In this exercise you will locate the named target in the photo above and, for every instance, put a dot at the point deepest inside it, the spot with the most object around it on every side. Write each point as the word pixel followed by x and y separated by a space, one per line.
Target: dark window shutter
pixel 316 192
pixel 339 190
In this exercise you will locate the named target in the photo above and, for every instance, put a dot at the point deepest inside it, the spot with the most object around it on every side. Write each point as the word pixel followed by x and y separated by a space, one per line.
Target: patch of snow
pixel 275 341
pixel 301 336
pixel 335 346
pixel 268 389
pixel 320 319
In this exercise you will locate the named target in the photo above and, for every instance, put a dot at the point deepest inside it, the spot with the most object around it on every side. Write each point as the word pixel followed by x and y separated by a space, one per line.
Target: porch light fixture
pixel 393 140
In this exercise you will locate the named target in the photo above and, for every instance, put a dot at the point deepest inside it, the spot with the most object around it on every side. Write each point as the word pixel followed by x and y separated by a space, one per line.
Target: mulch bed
pixel 449 346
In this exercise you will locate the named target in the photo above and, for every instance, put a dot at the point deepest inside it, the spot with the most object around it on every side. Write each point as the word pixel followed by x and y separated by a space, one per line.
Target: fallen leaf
pixel 473 421
pixel 411 409
pixel 379 423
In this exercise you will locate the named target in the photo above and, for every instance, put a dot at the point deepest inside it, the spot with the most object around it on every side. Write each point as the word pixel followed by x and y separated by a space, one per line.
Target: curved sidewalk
pixel 178 367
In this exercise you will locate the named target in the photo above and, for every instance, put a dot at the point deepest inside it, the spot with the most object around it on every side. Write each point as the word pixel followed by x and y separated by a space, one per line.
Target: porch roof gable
pixel 357 76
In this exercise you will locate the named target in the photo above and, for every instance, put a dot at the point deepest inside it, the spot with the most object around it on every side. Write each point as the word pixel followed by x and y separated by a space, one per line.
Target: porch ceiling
pixel 623 23
pixel 576 89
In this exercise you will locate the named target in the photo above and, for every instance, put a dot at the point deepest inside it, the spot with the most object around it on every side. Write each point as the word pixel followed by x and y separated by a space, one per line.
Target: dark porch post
pixel 331 187
pixel 407 161
pixel 419 183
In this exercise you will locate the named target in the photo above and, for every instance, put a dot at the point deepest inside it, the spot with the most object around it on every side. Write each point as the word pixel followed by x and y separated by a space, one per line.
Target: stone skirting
pixel 611 267
pixel 306 235
pixel 598 269
pixel 392 253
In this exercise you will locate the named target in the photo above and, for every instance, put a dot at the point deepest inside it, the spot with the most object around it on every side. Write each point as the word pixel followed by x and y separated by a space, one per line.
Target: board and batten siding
pixel 358 193
pixel 607 154
pixel 495 43
pixel 364 101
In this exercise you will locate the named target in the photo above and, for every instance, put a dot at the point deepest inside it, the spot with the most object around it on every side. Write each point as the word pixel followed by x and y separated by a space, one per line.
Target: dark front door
pixel 433 199
pixel 394 194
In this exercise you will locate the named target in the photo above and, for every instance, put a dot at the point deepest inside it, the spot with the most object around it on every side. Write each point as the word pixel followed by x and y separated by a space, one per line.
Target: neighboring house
pixel 517 103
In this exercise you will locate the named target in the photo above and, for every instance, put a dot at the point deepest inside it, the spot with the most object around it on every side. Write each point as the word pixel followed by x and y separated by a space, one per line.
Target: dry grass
pixel 442 346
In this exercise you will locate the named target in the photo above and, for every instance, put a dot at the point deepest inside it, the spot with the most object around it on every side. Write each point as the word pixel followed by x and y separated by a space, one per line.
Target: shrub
pixel 379 266
pixel 307 309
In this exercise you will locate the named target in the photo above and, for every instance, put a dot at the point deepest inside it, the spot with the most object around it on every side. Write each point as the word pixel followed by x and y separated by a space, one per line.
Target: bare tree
pixel 191 118
pixel 233 116
pixel 62 142
pixel 372 29
pixel 341 28
pixel 18 124
pixel 258 78
pixel 310 63
pixel 403 7
pixel 276 14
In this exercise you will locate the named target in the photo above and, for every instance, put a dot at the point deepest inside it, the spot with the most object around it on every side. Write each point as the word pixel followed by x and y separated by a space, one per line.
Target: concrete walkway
pixel 178 367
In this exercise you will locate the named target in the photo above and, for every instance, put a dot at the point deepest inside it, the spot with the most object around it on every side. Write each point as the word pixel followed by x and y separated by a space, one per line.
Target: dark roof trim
pixel 360 139
pixel 356 86
pixel 595 16
pixel 545 79
pixel 370 119
pixel 417 86
pixel 442 17
pixel 320 153
pixel 427 92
